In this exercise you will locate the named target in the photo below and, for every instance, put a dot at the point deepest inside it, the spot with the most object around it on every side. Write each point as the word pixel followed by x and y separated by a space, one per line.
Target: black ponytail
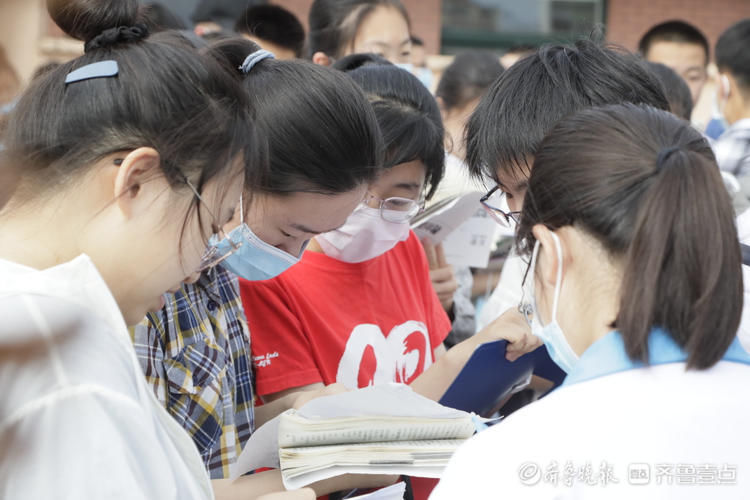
pixel 321 131
pixel 646 185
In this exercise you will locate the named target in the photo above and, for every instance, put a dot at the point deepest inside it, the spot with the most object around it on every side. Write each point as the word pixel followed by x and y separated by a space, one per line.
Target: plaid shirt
pixel 195 353
pixel 732 149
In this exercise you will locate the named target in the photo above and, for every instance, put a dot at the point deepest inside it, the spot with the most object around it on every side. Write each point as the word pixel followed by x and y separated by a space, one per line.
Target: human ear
pixel 321 59
pixel 550 256
pixel 725 86
pixel 134 172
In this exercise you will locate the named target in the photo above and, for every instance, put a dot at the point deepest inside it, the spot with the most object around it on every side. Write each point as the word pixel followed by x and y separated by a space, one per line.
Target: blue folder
pixel 488 377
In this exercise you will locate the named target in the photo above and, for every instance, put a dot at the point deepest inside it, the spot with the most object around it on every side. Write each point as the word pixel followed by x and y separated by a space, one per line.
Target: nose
pixel 293 248
pixel 515 204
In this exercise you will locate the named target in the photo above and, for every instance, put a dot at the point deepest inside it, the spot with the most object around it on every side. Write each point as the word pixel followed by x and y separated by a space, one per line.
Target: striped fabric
pixel 195 354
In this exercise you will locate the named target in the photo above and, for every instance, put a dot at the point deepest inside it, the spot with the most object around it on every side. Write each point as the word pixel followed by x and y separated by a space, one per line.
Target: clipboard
pixel 488 378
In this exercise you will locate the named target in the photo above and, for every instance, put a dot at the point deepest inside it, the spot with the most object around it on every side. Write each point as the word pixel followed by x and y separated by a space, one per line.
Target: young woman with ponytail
pixel 125 162
pixel 323 146
pixel 636 289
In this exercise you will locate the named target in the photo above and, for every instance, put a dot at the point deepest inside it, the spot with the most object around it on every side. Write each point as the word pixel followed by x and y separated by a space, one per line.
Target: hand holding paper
pixel 441 273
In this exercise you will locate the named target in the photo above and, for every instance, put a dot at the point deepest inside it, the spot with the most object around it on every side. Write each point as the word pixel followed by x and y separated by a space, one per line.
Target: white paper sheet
pixel 437 226
pixel 261 450
pixel 470 244
pixel 393 492
pixel 388 400
pixel 314 477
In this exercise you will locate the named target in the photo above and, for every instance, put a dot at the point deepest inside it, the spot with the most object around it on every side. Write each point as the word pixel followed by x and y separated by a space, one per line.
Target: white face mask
pixel 364 236
pixel 557 345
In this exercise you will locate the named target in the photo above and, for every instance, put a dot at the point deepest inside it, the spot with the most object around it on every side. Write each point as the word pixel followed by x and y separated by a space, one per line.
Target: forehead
pixel 514 177
pixel 385 25
pixel 677 55
pixel 410 172
pixel 310 210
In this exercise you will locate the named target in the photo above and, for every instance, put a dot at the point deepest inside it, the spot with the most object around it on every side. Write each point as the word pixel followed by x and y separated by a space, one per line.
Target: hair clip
pixel 254 59
pixel 101 69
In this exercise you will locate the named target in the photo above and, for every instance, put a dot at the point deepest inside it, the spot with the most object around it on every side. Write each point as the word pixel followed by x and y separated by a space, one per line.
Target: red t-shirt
pixel 360 324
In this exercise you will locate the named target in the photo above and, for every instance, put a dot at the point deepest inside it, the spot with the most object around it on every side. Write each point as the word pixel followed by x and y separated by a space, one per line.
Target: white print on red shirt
pixel 371 358
pixel 265 359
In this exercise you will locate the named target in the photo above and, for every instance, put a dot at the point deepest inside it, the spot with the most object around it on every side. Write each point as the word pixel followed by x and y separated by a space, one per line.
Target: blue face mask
pixel 423 74
pixel 254 260
pixel 551 334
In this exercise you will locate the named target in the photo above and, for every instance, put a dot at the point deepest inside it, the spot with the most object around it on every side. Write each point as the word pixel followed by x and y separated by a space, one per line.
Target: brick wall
pixel 425 18
pixel 628 20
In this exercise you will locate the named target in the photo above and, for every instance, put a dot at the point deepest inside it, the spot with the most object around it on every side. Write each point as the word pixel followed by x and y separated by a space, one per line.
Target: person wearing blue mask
pixel 195 351
pixel 359 309
pixel 635 286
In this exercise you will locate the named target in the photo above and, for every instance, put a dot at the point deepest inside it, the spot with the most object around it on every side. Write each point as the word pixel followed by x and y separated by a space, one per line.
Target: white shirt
pixel 507 293
pixel 659 423
pixel 76 417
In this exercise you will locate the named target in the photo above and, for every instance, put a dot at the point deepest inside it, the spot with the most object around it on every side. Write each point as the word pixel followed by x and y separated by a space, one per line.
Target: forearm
pixel 270 410
pixel 437 378
pixel 248 487
pixel 511 326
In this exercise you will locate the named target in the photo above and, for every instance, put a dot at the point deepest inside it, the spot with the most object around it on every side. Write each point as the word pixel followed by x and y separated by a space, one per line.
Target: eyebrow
pixel 411 186
pixel 516 187
pixel 300 227
pixel 386 44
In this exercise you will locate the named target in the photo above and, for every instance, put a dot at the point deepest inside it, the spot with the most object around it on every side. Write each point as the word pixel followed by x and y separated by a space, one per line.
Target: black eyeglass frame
pixel 501 216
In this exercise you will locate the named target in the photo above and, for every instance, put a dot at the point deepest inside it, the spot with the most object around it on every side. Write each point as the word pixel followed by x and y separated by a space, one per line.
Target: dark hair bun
pixel 88 19
pixel 113 36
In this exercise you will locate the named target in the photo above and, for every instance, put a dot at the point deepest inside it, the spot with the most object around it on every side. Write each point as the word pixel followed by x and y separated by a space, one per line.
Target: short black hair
pixel 468 77
pixel 274 24
pixel 675 88
pixel 673 31
pixel 732 53
pixel 531 96
pixel 408 115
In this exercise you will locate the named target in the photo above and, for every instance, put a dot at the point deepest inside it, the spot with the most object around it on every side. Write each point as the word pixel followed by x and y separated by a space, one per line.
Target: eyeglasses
pixel 213 255
pixel 396 209
pixel 492 202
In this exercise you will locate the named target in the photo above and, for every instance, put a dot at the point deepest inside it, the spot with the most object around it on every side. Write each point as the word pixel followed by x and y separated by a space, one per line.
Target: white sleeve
pixel 82 442
pixel 507 293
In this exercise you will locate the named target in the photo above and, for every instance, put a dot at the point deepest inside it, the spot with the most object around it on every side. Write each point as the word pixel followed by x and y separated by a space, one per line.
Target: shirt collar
pixel 607 356
pixel 740 126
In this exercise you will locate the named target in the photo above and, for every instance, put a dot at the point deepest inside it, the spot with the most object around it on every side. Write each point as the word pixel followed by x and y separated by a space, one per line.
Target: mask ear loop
pixel 725 86
pixel 526 306
pixel 558 281
pixel 242 211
